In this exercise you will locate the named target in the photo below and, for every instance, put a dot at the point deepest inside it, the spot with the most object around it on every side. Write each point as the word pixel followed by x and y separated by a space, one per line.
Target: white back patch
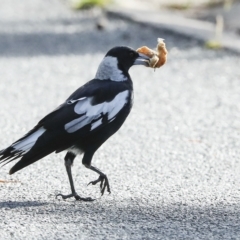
pixel 108 69
pixel 92 112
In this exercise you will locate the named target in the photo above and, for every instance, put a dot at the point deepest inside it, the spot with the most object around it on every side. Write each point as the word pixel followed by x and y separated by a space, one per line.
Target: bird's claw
pixel 103 183
pixel 77 197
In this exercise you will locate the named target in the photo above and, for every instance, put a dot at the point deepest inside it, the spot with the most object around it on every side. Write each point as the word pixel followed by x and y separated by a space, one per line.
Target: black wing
pixel 95 91
pixel 83 112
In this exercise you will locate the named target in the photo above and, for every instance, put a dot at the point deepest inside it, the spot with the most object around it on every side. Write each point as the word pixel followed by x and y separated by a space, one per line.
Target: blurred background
pixel 174 165
pixel 224 13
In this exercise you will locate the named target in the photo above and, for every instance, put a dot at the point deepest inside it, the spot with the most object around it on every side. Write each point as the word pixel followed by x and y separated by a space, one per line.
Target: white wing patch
pixel 26 144
pixel 92 112
pixel 96 124
pixel 73 101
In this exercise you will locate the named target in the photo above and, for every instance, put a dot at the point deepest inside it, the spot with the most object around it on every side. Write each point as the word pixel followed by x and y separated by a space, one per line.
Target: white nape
pixel 108 69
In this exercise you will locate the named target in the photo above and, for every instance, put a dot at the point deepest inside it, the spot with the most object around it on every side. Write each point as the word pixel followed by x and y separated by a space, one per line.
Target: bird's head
pixel 127 57
pixel 117 61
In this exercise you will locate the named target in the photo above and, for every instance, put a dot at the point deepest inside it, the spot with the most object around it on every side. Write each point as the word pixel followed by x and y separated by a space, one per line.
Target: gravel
pixel 174 165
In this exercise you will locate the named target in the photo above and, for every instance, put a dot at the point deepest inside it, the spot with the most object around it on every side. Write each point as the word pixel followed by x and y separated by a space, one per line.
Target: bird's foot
pixel 103 185
pixel 77 197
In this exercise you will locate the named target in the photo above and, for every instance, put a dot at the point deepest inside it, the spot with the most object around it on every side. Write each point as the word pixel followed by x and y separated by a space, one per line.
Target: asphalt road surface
pixel 174 165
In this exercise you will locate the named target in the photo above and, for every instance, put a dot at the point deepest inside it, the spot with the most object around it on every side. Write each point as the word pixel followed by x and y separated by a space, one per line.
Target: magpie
pixel 80 125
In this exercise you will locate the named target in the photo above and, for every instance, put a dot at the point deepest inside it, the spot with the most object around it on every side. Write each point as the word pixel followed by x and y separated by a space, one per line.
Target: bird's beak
pixel 142 60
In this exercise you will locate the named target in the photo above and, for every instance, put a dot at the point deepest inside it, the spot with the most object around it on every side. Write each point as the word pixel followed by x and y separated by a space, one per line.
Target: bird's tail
pixel 21 147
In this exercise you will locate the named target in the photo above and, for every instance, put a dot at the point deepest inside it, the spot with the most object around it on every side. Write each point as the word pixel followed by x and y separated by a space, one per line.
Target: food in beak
pixel 158 57
pixel 142 60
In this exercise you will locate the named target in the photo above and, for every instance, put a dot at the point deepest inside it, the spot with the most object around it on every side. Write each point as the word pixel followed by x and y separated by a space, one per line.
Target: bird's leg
pixel 102 179
pixel 86 161
pixel 68 164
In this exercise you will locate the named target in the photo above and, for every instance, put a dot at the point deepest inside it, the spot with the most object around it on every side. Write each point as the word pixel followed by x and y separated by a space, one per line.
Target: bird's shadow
pixel 154 218
pixel 21 204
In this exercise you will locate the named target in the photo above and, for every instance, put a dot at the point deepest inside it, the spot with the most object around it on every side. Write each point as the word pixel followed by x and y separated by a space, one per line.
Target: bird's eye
pixel 131 54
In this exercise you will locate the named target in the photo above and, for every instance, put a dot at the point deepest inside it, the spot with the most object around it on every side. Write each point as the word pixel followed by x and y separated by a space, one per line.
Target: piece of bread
pixel 157 58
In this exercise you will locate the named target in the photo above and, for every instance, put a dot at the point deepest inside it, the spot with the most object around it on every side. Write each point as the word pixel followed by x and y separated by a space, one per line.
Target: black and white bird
pixel 80 125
